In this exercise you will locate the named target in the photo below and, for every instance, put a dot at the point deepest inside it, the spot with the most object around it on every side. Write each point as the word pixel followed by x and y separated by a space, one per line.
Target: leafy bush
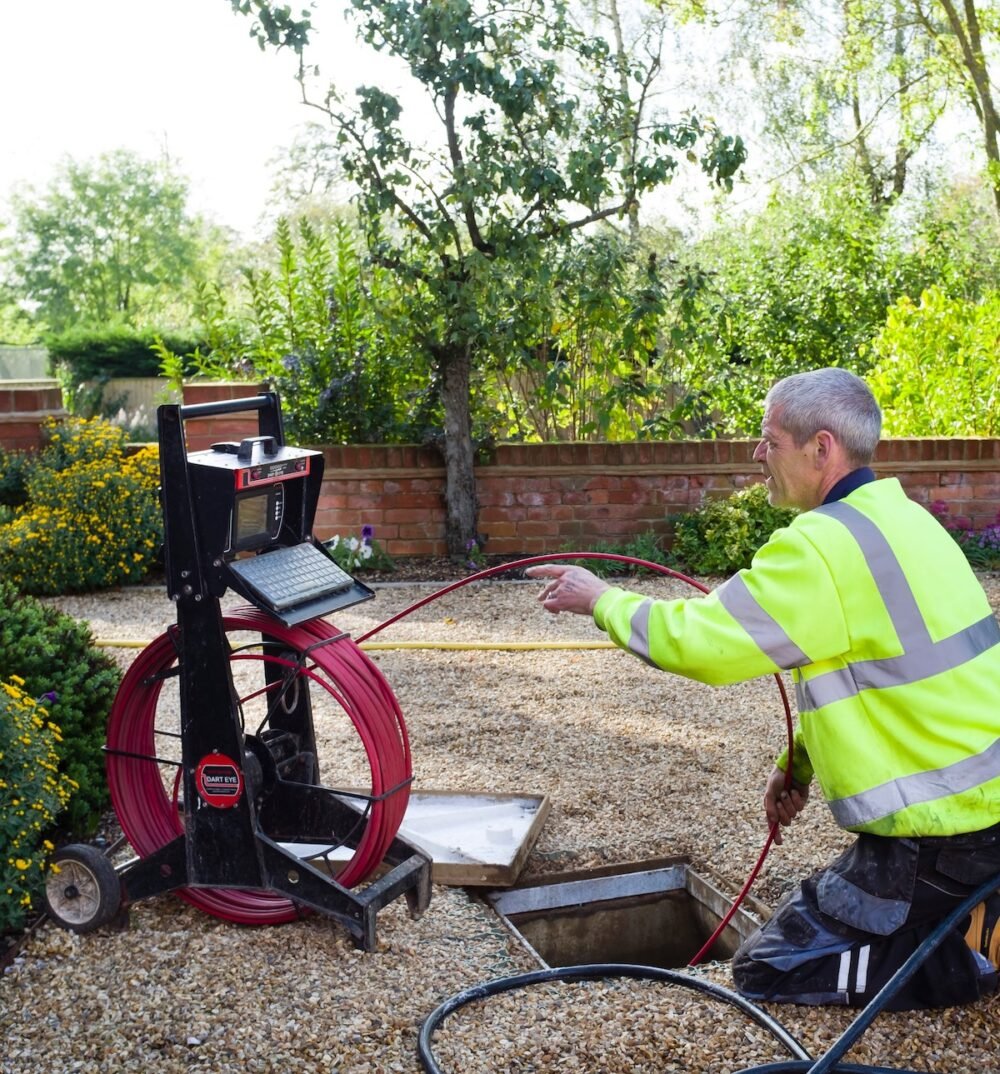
pixel 55 657
pixel 14 469
pixel 937 372
pixel 32 793
pixel 329 333
pixel 87 353
pixel 91 519
pixel 645 546
pixel 981 547
pixel 722 536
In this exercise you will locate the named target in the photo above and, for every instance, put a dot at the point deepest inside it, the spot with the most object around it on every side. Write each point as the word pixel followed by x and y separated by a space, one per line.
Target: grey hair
pixel 832 399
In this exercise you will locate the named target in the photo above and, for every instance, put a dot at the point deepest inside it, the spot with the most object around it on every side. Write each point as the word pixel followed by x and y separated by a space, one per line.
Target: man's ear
pixel 824 448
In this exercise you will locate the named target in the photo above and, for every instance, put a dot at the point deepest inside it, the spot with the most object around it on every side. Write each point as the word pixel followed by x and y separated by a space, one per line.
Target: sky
pixel 82 77
pixel 183 77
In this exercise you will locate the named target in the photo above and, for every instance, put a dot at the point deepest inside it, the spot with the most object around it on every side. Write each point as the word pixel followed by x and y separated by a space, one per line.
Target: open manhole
pixel 659 916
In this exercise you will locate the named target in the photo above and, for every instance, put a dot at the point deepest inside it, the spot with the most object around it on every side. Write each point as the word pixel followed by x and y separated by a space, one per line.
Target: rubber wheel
pixel 83 891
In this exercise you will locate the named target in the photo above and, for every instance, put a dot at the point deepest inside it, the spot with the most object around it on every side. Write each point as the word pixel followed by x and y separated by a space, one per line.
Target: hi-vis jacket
pixel 893 649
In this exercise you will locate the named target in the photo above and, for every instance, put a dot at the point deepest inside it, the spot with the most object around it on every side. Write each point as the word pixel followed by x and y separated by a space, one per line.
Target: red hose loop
pixel 659 568
pixel 148 813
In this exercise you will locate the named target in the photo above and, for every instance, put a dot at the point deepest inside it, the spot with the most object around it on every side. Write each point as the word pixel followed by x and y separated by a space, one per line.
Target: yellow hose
pixel 381 646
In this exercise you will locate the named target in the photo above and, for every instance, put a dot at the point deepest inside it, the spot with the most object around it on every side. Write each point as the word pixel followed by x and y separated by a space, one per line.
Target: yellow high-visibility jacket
pixel 892 645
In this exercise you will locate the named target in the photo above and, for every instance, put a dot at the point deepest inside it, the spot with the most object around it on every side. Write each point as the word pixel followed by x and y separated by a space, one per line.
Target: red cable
pixel 659 568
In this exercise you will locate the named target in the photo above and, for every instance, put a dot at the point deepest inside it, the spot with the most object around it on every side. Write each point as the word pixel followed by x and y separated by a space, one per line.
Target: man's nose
pixel 759 452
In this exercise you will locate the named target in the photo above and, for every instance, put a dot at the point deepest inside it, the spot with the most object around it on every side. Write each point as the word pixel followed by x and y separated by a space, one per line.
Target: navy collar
pixel 849 482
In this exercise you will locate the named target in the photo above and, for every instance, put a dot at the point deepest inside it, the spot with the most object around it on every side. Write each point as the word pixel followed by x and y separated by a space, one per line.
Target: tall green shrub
pixel 937 371
pixel 89 353
pixel 325 330
pixel 57 660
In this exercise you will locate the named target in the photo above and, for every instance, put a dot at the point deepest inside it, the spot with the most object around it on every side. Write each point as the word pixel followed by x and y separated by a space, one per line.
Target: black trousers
pixel 848 928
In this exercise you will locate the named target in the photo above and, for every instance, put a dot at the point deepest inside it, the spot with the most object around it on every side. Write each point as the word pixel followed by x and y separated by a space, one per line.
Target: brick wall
pixel 537 498
pixel 24 407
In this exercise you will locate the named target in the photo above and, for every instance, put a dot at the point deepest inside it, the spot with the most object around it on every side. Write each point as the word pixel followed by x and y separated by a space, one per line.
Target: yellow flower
pixel 21 864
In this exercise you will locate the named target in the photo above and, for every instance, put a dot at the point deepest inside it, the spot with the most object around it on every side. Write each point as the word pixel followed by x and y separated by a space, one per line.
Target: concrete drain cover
pixel 658 916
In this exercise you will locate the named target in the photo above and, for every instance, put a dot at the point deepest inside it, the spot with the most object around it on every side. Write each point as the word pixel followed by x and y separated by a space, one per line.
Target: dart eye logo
pixel 219 780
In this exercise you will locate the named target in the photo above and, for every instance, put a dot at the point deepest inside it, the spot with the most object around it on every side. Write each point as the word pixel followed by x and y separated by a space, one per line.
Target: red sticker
pixel 219 780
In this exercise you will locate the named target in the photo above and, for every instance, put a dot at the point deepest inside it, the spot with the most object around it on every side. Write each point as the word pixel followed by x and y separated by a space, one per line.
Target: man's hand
pixel 569 589
pixel 782 806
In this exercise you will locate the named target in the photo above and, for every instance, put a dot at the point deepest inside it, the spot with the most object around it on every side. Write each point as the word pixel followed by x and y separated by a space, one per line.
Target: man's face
pixel 792 477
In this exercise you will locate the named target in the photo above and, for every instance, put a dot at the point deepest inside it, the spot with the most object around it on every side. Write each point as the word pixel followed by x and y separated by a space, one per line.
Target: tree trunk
pixel 461 502
pixel 968 34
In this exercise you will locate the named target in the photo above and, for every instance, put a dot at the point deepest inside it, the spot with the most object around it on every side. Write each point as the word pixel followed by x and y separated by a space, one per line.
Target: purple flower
pixel 367 533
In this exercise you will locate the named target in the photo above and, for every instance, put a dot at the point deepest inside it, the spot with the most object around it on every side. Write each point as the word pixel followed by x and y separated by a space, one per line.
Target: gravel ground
pixel 636 765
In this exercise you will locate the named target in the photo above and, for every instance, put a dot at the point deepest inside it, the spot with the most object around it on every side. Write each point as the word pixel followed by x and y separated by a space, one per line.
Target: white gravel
pixel 637 764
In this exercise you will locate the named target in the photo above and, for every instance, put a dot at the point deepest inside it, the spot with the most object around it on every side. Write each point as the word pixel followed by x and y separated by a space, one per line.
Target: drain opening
pixel 653 917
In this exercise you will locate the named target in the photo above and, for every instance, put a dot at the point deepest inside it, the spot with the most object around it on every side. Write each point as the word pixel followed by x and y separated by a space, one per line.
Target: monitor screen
pixel 257 518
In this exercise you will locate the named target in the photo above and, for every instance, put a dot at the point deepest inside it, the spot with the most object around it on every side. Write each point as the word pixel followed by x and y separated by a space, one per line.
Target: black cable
pixel 803 1062
pixel 595 972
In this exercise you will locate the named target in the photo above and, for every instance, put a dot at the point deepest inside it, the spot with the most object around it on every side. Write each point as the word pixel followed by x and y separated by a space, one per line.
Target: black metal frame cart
pixel 212 744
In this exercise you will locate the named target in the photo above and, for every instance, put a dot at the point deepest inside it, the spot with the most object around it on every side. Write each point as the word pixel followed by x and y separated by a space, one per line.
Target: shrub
pixel 32 793
pixel 14 469
pixel 645 546
pixel 87 353
pixel 91 519
pixel 55 657
pixel 722 536
pixel 981 547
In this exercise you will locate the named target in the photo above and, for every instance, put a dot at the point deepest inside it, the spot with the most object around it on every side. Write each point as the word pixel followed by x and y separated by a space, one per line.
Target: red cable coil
pixel 148 814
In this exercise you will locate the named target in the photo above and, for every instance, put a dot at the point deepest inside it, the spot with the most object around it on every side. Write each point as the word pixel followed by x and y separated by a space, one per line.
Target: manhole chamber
pixel 658 916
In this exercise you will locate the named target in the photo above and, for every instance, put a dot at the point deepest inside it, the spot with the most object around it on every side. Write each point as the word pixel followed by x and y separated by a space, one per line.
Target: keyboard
pixel 287 577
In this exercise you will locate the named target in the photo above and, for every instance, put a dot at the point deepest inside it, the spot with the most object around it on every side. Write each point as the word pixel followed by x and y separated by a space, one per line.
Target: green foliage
pixel 598 362
pixel 355 554
pixel 56 657
pixel 14 469
pixel 108 240
pixel 645 546
pixel 92 518
pixel 543 133
pixel 723 536
pixel 937 372
pixel 801 286
pixel 91 352
pixel 322 331
pixel 32 794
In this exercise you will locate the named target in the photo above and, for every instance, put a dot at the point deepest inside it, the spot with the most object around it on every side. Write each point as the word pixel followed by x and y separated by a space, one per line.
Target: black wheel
pixel 83 891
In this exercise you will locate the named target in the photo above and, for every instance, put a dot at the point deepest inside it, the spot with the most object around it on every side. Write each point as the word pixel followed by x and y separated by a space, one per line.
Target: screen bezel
pixel 273 497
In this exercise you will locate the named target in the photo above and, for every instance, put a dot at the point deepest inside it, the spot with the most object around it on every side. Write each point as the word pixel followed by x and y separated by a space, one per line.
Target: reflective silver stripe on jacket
pixel 638 639
pixel 759 624
pixel 919 787
pixel 921 657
